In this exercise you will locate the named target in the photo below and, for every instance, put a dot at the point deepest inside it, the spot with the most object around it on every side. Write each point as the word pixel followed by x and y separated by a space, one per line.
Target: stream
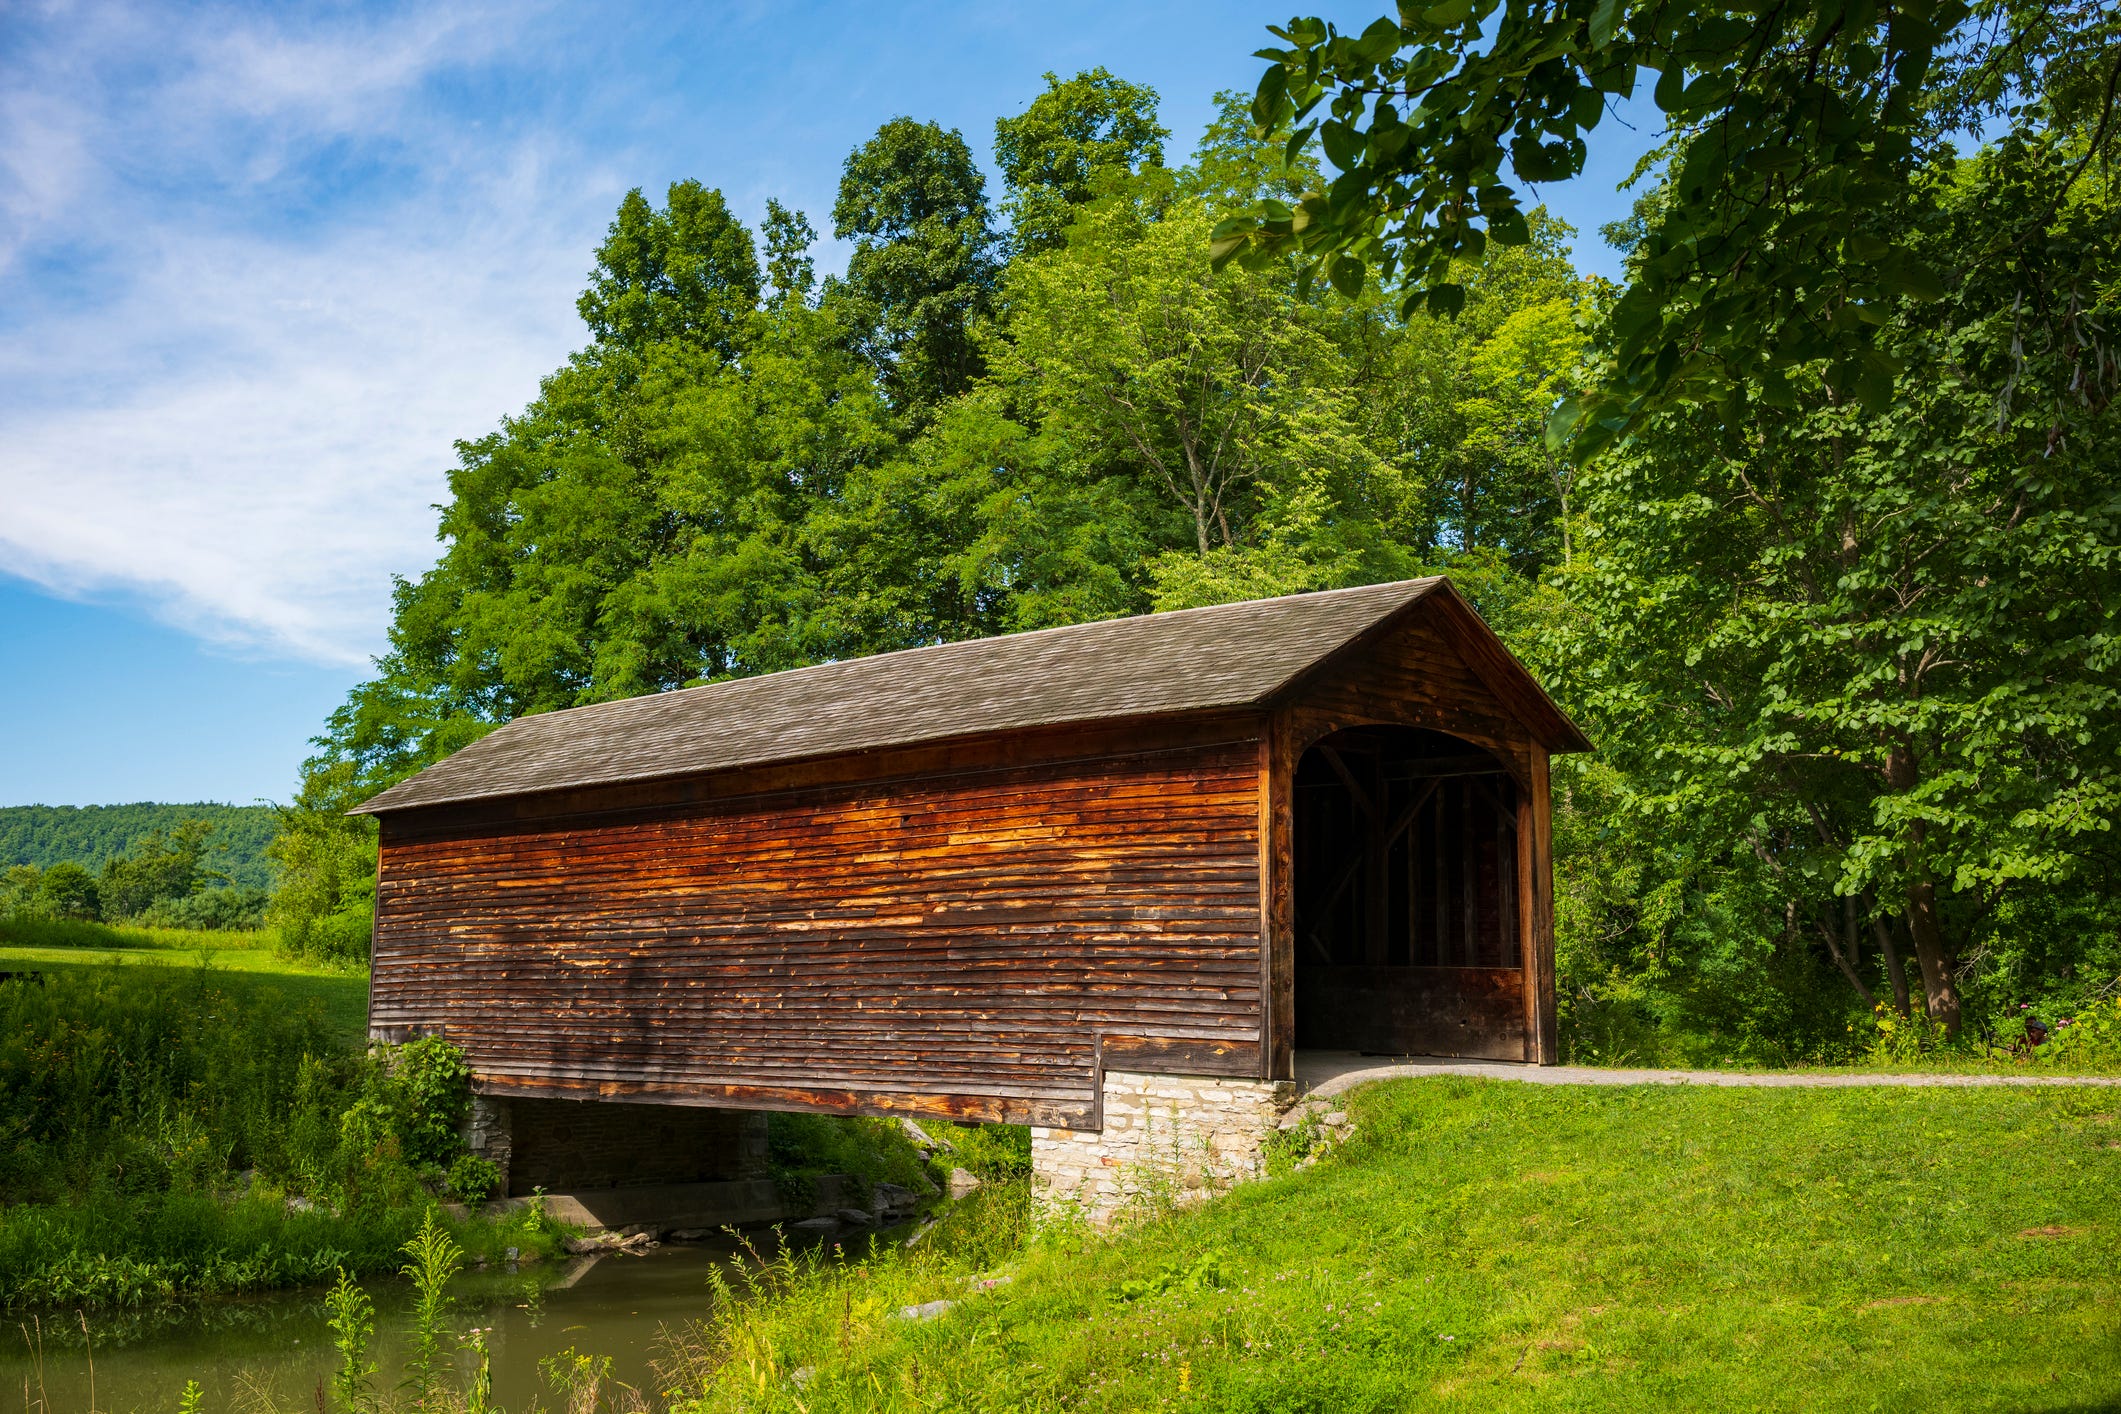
pixel 255 1355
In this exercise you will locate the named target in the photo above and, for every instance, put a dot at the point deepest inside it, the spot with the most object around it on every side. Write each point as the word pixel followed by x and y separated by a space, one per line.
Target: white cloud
pixel 229 386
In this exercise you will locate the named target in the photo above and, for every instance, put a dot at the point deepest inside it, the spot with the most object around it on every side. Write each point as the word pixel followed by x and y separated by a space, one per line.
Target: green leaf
pixel 1296 142
pixel 1447 300
pixel 1537 161
pixel 1605 22
pixel 1343 144
pixel 1380 41
pixel 1271 100
pixel 1347 276
pixel 1670 92
pixel 1510 228
pixel 1905 275
pixel 1708 91
pixel 1561 423
pixel 1775 389
pixel 1874 389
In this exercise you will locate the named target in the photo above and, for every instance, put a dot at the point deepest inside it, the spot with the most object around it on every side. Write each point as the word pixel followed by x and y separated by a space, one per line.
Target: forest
pixel 90 835
pixel 169 866
pixel 1810 520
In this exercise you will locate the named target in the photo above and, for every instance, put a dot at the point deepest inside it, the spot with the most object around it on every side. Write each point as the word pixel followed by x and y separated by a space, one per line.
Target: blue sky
pixel 261 266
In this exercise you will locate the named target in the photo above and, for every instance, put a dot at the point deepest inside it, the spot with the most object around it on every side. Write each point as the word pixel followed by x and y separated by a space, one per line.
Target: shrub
pixel 2088 1040
pixel 324 906
pixel 134 1079
pixel 994 1152
pixel 222 909
pixel 473 1179
pixel 802 1146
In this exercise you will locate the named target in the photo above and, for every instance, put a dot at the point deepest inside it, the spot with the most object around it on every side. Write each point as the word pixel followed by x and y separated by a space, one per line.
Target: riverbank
pixel 180 1132
pixel 1496 1245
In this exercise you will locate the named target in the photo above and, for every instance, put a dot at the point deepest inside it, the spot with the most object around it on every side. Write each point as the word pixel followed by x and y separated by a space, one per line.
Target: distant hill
pixel 90 834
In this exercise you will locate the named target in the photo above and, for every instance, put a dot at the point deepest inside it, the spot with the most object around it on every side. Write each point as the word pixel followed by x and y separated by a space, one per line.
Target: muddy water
pixel 270 1353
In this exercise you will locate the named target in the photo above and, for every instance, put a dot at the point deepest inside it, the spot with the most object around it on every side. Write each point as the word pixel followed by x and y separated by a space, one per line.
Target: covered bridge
pixel 1042 878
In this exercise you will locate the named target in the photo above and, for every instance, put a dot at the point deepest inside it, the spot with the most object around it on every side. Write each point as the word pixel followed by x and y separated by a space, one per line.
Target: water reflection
pixel 273 1353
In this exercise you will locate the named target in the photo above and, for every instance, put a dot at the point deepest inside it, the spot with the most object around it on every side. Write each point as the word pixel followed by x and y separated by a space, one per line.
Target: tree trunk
pixel 1926 930
pixel 1939 994
pixel 1855 979
pixel 1894 972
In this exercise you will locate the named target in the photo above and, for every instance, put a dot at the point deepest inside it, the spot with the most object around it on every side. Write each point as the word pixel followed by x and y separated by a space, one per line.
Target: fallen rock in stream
pixel 893 1203
pixel 631 1240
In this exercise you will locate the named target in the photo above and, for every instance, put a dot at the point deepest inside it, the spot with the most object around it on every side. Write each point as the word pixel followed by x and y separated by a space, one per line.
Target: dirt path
pixel 1323 1074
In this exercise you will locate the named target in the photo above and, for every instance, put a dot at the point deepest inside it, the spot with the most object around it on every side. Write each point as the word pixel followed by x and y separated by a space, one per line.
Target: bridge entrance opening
pixel 1410 936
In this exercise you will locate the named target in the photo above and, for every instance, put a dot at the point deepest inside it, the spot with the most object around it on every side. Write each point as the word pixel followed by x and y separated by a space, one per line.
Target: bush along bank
pixel 163 1134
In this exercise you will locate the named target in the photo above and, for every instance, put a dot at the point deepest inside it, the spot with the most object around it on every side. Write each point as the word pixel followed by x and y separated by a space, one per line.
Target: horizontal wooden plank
pixel 1174 1055
pixel 949 945
pixel 883 1104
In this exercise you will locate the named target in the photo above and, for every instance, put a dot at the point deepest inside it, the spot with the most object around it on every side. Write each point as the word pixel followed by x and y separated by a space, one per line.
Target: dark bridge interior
pixel 1407 931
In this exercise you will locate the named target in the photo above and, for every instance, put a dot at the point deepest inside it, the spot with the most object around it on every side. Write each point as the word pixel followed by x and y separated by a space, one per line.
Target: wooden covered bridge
pixel 1036 879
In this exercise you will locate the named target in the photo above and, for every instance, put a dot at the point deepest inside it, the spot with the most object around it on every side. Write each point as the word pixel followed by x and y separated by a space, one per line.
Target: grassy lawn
pixel 246 958
pixel 1488 1245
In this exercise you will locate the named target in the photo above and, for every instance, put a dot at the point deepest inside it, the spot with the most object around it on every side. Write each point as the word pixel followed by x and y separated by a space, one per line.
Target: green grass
pixel 19 931
pixel 342 995
pixel 1489 1245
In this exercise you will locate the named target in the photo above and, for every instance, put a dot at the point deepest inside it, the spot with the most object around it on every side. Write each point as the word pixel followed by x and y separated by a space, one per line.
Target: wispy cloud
pixel 255 277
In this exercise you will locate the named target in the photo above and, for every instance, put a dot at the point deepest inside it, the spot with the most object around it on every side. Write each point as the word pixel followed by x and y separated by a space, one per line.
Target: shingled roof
pixel 1230 655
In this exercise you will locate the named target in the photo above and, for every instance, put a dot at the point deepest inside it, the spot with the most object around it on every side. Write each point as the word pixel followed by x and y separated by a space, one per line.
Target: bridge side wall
pixel 959 932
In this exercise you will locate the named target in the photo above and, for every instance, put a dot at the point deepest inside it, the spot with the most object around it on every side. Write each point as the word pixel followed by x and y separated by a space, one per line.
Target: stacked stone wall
pixel 1166 1139
pixel 486 1134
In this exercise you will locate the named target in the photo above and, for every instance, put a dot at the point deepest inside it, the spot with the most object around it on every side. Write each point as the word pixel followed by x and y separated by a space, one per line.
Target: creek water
pixel 256 1355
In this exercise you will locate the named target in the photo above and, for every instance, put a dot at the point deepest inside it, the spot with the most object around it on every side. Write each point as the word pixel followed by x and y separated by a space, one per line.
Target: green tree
pixel 66 890
pixel 1092 129
pixel 1217 394
pixel 1235 164
pixel 1466 400
pixel 18 889
pixel 923 267
pixel 686 272
pixel 161 866
pixel 789 269
pixel 1873 652
pixel 90 835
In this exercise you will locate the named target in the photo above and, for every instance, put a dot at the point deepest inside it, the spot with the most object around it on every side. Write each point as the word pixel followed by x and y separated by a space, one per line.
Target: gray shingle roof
pixel 1231 655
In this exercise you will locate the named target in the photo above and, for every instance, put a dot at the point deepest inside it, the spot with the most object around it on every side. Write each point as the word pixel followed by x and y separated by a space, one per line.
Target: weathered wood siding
pixel 1412 675
pixel 962 943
